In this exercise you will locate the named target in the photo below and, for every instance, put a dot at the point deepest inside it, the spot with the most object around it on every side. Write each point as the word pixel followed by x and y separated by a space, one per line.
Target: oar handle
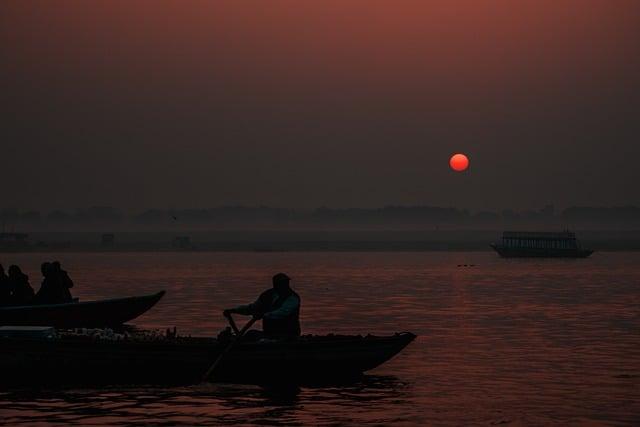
pixel 211 370
pixel 233 325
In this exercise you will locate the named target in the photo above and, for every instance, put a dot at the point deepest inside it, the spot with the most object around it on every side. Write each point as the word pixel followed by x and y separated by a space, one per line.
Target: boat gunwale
pixel 156 295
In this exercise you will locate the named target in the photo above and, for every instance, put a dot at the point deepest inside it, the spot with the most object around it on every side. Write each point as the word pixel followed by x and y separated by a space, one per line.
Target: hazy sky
pixel 306 103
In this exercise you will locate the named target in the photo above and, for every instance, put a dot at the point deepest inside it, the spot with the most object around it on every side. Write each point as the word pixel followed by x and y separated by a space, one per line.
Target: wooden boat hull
pixel 66 362
pixel 506 252
pixel 91 314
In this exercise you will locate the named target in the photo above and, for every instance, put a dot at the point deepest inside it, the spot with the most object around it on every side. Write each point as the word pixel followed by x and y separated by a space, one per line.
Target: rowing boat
pixel 60 361
pixel 90 314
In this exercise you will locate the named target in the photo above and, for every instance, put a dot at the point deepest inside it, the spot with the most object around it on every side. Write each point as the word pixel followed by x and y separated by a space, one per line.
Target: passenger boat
pixel 518 244
pixel 60 361
pixel 90 314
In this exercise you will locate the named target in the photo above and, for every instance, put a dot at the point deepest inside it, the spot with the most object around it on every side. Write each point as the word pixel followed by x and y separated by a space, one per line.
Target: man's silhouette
pixel 64 281
pixel 55 285
pixel 5 288
pixel 21 290
pixel 278 307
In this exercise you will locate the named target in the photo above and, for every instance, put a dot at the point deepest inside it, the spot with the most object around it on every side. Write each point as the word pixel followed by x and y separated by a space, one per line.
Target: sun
pixel 459 162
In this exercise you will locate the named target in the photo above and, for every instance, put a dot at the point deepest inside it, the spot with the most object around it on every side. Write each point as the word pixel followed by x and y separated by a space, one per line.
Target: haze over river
pixel 499 341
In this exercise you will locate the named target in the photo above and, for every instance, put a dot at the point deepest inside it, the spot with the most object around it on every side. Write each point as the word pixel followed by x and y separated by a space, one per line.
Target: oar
pixel 211 370
pixel 233 324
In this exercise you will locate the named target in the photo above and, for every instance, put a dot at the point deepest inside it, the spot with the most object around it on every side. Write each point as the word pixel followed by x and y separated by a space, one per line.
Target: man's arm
pixel 288 307
pixel 247 309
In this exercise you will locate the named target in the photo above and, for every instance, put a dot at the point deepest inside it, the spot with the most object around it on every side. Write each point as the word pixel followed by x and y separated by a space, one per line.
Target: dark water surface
pixel 524 342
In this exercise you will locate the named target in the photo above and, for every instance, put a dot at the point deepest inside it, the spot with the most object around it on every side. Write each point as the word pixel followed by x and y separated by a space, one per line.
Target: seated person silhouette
pixel 21 290
pixel 279 309
pixel 55 285
pixel 64 281
pixel 5 289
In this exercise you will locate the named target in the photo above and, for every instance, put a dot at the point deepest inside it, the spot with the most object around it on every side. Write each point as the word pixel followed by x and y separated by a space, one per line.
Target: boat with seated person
pixel 59 360
pixel 89 314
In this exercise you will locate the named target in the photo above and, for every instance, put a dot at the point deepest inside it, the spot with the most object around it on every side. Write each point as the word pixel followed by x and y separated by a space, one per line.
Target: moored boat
pixel 526 244
pixel 61 361
pixel 110 312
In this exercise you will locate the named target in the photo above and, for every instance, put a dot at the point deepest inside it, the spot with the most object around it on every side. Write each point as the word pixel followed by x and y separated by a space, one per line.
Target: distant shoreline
pixel 296 241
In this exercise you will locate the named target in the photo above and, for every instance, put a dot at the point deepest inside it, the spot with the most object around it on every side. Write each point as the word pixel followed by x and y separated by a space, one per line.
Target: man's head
pixel 281 283
pixel 45 268
pixel 14 271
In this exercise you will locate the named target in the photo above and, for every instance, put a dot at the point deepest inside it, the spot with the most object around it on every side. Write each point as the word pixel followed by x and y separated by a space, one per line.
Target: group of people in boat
pixel 16 290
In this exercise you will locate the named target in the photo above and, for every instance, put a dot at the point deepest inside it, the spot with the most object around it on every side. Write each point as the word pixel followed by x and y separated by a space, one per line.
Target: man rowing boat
pixel 278 307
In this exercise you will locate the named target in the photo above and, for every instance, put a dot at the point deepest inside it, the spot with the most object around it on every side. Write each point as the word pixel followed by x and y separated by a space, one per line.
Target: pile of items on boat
pixel 89 334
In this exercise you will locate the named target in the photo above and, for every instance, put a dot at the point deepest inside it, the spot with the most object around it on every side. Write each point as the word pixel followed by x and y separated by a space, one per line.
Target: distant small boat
pixel 60 361
pixel 527 244
pixel 90 314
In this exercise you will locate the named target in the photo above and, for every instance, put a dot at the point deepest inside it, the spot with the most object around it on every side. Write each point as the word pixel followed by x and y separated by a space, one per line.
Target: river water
pixel 501 342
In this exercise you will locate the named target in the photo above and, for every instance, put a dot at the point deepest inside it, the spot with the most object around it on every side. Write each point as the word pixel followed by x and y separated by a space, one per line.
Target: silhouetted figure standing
pixel 21 290
pixel 5 288
pixel 278 307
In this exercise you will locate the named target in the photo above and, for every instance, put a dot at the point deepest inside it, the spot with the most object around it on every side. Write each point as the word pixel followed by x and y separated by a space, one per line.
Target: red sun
pixel 459 162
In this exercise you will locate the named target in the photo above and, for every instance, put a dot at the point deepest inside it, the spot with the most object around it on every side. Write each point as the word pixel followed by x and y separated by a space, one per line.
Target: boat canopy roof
pixel 542 235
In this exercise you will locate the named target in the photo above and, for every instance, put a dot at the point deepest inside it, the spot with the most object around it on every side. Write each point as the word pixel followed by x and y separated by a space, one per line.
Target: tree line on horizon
pixel 263 215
